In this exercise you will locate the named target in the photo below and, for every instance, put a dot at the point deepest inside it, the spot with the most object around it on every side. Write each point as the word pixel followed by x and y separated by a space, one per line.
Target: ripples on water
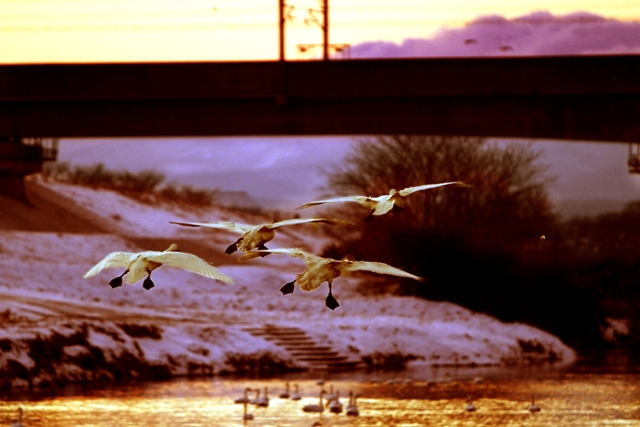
pixel 566 399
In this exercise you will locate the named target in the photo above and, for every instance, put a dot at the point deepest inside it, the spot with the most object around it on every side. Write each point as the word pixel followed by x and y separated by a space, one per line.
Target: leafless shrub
pixel 146 185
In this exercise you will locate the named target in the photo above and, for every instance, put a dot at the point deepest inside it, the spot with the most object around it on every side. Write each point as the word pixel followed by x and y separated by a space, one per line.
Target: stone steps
pixel 303 348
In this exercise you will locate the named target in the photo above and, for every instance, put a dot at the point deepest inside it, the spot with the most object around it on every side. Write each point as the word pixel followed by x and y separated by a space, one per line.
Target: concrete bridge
pixel 575 97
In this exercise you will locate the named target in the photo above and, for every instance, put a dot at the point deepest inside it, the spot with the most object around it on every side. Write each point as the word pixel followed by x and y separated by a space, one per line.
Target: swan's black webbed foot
pixel 117 282
pixel 369 218
pixel 148 284
pixel 231 249
pixel 331 302
pixel 262 247
pixel 397 209
pixel 288 288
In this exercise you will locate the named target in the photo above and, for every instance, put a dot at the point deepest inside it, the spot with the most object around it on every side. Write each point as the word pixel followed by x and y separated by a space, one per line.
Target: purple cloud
pixel 536 34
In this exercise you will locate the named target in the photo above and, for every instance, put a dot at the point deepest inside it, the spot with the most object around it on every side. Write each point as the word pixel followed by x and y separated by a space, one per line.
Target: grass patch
pixel 147 186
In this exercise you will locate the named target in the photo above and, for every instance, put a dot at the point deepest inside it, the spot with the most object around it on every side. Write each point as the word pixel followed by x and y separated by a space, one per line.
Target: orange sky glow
pixel 36 31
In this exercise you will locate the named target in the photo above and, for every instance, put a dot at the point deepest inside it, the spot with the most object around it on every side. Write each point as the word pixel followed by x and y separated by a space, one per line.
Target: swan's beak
pixel 288 288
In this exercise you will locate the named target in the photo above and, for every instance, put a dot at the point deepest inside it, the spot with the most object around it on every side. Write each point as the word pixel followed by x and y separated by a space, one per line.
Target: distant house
pixel 237 199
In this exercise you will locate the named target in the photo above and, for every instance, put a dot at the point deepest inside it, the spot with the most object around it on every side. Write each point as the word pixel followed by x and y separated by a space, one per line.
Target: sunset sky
pixel 161 30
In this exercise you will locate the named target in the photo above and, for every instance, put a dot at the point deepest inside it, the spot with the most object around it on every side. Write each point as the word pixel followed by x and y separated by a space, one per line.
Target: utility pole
pixel 325 30
pixel 324 25
pixel 281 25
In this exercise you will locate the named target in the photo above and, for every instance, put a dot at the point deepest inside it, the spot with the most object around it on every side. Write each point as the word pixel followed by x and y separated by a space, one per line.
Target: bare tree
pixel 481 247
pixel 507 209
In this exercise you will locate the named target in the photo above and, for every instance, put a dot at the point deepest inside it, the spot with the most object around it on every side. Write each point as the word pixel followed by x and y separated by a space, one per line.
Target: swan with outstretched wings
pixel 320 270
pixel 141 264
pixel 255 236
pixel 381 205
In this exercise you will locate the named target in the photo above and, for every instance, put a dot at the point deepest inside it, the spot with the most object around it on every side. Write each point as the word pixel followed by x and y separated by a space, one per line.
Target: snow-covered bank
pixel 58 327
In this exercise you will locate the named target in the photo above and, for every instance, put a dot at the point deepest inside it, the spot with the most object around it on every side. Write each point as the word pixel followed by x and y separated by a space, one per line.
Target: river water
pixel 578 396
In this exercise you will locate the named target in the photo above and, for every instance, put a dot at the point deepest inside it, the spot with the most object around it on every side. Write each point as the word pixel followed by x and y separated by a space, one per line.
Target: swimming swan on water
pixel 315 408
pixel 285 394
pixel 533 407
pixel 382 204
pixel 244 398
pixel 263 401
pixel 18 422
pixel 296 394
pixel 255 236
pixel 470 406
pixel 335 405
pixel 139 265
pixel 320 270
pixel 352 407
pixel 247 416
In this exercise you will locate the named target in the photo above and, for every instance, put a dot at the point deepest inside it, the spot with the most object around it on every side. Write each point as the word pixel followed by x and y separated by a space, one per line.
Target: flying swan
pixel 255 236
pixel 382 204
pixel 139 265
pixel 320 270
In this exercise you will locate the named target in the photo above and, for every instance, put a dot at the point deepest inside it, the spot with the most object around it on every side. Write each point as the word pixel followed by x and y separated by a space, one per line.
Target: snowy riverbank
pixel 59 328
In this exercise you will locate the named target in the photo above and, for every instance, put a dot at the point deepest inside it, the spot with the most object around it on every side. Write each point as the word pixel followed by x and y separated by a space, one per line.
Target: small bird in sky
pixel 382 204
pixel 255 236
pixel 141 264
pixel 320 270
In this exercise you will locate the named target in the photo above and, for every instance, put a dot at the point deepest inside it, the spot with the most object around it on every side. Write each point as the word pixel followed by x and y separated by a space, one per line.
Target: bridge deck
pixel 573 97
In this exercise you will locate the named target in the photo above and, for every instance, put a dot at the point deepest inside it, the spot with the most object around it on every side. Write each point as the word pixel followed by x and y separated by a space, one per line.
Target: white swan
pixel 263 401
pixel 139 265
pixel 245 398
pixel 18 422
pixel 256 399
pixel 470 406
pixel 382 204
pixel 533 407
pixel 330 394
pixel 246 416
pixel 255 236
pixel 352 407
pixel 335 405
pixel 320 270
pixel 285 394
pixel 295 395
pixel 315 408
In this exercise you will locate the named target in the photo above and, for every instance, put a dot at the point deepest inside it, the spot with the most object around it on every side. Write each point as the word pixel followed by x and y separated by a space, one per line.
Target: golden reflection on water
pixel 568 400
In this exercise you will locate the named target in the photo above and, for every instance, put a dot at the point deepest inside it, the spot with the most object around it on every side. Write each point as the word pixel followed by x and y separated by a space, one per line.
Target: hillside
pixel 58 327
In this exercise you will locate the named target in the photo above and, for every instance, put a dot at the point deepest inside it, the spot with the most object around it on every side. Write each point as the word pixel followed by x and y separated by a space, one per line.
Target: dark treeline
pixel 498 247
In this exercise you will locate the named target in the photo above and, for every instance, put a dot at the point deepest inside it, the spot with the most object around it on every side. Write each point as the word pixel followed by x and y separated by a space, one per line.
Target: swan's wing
pixel 306 220
pixel 376 267
pixel 294 252
pixel 189 262
pixel 222 225
pixel 410 190
pixel 113 260
pixel 363 200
